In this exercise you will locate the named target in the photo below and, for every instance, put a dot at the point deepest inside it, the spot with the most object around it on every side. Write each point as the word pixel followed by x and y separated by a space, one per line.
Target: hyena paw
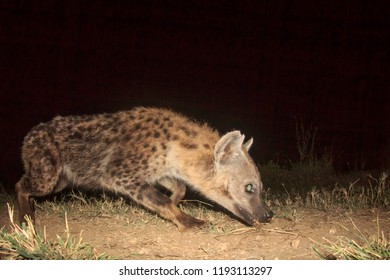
pixel 187 222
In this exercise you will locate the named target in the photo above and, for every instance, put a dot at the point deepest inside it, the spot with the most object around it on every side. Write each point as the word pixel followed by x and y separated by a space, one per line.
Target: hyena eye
pixel 249 188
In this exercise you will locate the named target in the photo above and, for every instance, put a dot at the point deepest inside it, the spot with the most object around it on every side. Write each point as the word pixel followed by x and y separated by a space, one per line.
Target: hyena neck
pixel 195 169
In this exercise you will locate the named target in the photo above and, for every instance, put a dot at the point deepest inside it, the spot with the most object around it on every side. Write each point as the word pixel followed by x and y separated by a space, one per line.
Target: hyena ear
pixel 247 145
pixel 228 147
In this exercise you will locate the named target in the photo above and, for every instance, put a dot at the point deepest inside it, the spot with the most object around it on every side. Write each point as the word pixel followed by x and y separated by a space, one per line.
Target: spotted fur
pixel 132 152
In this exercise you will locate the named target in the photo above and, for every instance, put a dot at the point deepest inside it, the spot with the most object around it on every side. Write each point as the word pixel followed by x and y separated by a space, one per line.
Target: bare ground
pixel 222 238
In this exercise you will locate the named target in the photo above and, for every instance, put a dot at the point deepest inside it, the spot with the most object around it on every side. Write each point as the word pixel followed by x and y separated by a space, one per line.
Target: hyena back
pixel 132 152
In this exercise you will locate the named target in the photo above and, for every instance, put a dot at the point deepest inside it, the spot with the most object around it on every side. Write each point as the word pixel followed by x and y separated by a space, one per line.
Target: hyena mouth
pixel 247 217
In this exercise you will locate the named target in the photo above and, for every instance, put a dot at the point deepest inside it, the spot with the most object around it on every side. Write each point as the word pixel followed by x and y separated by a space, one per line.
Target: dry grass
pixel 373 193
pixel 26 243
pixel 79 204
pixel 363 247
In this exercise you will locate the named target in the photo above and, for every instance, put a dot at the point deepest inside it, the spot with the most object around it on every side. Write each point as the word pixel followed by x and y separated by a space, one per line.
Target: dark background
pixel 248 65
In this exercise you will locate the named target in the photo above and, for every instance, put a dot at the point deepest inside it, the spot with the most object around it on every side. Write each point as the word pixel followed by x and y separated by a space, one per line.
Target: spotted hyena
pixel 134 151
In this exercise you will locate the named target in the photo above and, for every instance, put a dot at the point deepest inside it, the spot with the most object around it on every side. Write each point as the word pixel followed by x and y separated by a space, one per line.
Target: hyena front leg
pixel 177 188
pixel 158 202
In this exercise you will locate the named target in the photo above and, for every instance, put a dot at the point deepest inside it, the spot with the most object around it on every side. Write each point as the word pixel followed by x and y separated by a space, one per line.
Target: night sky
pixel 255 66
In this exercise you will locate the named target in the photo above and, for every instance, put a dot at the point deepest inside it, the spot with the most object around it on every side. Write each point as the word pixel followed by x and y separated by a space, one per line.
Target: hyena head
pixel 237 185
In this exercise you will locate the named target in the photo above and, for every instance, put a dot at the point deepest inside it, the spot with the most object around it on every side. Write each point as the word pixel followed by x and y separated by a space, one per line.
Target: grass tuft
pixel 26 243
pixel 375 247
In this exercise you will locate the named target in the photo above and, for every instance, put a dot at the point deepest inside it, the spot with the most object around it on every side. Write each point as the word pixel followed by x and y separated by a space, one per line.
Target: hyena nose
pixel 268 215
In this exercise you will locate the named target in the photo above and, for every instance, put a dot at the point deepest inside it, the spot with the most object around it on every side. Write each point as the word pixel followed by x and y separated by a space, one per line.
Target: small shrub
pixel 306 138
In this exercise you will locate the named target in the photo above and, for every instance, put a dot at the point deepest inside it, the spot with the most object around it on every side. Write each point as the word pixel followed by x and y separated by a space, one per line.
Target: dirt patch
pixel 222 238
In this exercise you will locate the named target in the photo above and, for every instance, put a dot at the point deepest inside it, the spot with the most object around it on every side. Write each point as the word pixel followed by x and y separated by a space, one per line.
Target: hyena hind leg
pixel 25 193
pixel 25 201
